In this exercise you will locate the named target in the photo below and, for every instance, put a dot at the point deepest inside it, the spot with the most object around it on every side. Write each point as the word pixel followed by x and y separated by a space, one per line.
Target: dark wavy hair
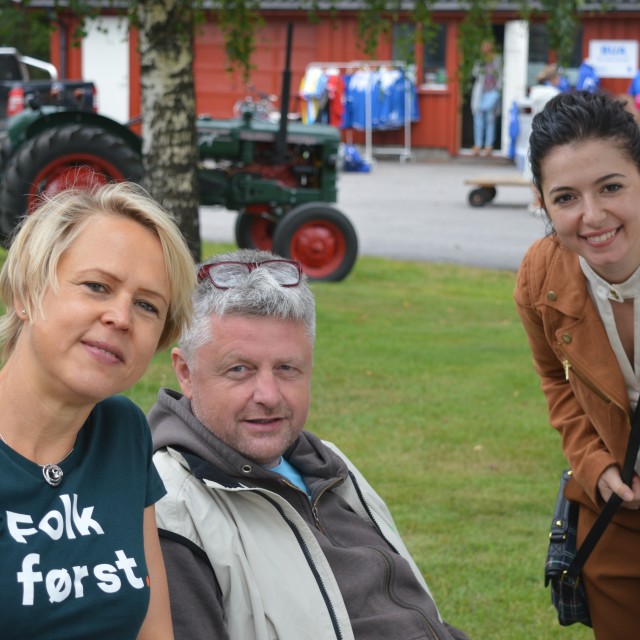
pixel 579 116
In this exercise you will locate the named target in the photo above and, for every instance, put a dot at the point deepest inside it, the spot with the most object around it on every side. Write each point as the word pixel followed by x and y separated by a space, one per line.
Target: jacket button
pixel 552 296
pixel 566 338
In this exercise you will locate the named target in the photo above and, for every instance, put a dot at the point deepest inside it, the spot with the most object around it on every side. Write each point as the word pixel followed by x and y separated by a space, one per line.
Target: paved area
pixel 418 210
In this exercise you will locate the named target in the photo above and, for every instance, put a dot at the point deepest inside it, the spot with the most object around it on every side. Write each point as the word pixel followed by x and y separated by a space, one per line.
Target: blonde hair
pixel 45 234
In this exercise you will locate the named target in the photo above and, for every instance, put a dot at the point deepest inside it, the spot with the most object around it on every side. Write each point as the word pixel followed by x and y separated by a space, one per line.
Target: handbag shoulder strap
pixel 614 501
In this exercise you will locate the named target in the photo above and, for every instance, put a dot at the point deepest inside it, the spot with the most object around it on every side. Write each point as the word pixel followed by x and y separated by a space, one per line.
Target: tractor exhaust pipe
pixel 281 138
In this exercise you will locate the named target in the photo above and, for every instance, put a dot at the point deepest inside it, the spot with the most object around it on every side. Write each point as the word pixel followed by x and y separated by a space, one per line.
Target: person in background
pixel 95 282
pixel 578 295
pixel 268 531
pixel 547 87
pixel 485 98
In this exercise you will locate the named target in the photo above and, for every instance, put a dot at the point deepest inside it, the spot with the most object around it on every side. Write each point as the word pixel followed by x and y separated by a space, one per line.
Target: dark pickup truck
pixel 18 89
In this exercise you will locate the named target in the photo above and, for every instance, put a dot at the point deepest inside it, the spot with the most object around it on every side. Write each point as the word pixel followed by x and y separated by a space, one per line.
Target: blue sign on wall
pixel 614 58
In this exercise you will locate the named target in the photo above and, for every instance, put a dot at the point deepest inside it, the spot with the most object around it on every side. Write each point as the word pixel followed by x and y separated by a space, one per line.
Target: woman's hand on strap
pixel 611 482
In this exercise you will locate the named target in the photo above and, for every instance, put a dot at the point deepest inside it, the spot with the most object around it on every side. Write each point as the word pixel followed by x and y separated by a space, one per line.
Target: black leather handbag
pixel 564 561
pixel 567 593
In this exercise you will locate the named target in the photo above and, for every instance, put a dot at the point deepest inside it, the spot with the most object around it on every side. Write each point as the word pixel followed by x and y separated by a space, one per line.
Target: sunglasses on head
pixel 228 274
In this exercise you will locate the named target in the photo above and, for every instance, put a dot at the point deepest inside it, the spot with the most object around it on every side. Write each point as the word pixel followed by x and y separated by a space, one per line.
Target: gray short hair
pixel 259 296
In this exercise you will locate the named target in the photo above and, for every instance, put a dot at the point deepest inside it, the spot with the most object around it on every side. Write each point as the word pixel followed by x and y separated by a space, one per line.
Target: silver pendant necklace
pixel 52 473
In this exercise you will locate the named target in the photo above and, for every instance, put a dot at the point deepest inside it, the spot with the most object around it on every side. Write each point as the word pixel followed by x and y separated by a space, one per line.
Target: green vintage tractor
pixel 282 181
pixel 280 177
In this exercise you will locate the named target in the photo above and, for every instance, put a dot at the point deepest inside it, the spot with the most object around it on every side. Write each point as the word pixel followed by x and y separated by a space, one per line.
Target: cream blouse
pixel 604 295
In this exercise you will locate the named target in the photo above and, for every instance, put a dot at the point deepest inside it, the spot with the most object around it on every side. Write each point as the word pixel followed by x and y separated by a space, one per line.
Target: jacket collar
pixel 173 425
pixel 204 470
pixel 564 287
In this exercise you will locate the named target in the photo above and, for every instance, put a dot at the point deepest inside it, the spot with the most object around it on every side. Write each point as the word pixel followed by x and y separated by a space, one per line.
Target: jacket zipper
pixel 379 530
pixel 316 519
pixel 314 504
pixel 311 563
pixel 566 365
pixel 369 512
pixel 387 591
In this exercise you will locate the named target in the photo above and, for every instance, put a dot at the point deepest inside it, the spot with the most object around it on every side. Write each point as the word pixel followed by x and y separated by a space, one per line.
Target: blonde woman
pixel 94 284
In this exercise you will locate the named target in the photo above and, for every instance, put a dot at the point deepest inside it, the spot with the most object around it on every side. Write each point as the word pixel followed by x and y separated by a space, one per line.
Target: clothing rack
pixel 404 152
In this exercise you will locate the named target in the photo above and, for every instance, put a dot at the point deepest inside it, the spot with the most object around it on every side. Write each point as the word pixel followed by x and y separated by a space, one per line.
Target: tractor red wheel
pixel 321 238
pixel 254 231
pixel 59 158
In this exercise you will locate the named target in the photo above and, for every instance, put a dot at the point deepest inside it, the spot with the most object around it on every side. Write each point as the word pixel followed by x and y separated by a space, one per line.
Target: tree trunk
pixel 169 141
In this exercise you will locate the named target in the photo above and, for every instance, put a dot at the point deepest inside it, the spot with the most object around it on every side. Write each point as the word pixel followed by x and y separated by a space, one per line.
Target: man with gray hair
pixel 267 531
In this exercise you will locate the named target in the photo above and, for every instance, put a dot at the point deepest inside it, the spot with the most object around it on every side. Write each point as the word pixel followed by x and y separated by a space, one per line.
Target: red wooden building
pixel 444 122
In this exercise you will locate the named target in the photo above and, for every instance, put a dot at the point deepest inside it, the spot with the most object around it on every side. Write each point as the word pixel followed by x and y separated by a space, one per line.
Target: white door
pixel 105 62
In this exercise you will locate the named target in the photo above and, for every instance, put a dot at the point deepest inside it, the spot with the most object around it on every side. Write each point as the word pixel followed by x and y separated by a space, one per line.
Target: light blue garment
pixel 484 119
pixel 291 474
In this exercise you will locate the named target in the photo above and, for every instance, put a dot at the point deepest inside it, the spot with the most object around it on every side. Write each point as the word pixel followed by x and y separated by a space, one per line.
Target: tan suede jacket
pixel 579 372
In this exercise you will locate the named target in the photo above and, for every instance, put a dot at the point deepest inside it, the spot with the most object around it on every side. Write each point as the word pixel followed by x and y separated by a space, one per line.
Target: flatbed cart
pixel 486 187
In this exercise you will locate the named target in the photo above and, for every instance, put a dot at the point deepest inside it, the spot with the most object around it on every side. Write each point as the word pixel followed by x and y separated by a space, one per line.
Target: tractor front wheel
pixel 69 156
pixel 321 238
pixel 254 231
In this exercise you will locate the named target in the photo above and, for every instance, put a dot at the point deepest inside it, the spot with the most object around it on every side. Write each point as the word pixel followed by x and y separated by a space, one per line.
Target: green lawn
pixel 424 378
